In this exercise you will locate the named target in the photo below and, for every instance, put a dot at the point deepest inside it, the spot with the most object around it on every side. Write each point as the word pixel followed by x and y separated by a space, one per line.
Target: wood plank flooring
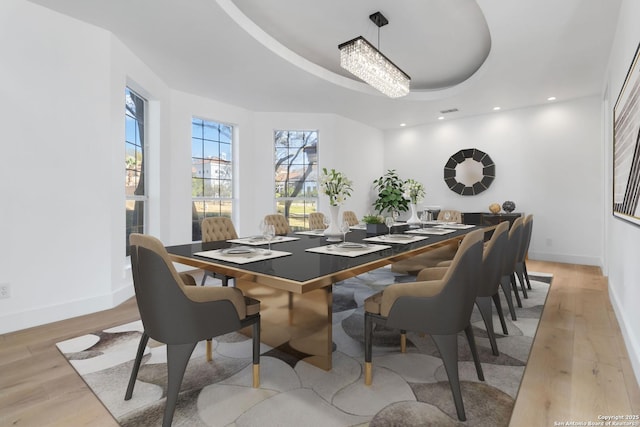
pixel 578 368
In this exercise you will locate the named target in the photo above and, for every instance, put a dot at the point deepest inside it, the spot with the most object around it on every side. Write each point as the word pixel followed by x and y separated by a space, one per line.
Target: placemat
pixel 259 240
pixel 432 230
pixel 258 255
pixel 402 239
pixel 336 250
pixel 311 232
pixel 455 226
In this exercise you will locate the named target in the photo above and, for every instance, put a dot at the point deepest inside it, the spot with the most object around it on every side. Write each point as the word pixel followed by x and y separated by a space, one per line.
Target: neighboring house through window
pixel 211 172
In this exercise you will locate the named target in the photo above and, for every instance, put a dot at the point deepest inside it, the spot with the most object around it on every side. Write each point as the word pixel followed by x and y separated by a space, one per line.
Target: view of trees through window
pixel 134 164
pixel 211 172
pixel 296 175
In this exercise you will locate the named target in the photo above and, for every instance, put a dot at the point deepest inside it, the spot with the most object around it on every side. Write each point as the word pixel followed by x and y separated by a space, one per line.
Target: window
pixel 134 164
pixel 211 172
pixel 296 175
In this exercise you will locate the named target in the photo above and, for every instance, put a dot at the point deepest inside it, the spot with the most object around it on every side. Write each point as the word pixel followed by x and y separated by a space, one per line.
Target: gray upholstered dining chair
pixel 180 315
pixel 316 221
pixel 441 308
pixel 508 267
pixel 350 217
pixel 492 265
pixel 215 229
pixel 521 261
pixel 279 222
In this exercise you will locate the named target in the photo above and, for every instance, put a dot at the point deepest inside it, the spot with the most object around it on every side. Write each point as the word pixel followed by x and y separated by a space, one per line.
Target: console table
pixel 488 218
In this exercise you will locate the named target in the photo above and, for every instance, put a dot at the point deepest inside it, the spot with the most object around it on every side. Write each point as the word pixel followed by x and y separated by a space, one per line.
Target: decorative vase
pixel 332 232
pixel 509 206
pixel 413 220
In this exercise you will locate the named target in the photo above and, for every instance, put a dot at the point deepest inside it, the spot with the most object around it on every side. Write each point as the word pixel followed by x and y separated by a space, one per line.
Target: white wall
pixel 548 161
pixel 62 225
pixel 62 240
pixel 623 238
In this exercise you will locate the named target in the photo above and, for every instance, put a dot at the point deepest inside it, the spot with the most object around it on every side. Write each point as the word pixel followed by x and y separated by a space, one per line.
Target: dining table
pixel 293 276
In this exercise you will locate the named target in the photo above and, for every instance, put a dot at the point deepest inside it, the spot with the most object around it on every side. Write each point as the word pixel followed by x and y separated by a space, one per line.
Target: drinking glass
pixel 344 228
pixel 447 216
pixel 389 221
pixel 269 232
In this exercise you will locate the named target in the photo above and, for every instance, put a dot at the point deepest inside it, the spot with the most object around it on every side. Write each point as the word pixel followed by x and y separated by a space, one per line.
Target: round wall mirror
pixel 469 172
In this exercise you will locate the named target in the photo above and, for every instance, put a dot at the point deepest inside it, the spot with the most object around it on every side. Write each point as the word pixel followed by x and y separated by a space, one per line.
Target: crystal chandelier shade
pixel 366 62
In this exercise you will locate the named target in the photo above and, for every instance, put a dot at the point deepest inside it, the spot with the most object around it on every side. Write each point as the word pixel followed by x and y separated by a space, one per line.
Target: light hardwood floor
pixel 578 368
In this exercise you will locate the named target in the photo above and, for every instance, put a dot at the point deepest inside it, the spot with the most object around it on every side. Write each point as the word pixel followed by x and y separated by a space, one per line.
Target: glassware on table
pixel 269 232
pixel 344 229
pixel 389 221
pixel 447 216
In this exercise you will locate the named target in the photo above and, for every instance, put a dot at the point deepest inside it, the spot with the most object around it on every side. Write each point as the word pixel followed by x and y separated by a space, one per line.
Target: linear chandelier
pixel 364 61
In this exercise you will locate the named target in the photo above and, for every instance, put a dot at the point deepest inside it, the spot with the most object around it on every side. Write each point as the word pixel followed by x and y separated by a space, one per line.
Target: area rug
pixel 409 389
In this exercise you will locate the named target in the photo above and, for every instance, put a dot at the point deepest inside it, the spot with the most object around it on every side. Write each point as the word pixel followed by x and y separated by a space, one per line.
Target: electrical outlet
pixel 5 290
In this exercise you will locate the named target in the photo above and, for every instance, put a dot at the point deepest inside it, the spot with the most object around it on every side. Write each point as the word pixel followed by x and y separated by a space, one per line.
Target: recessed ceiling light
pixel 496 108
pixel 441 118
pixel 403 124
pixel 551 98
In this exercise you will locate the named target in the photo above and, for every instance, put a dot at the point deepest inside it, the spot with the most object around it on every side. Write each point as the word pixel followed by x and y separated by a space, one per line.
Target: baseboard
pixel 630 340
pixel 33 317
pixel 566 259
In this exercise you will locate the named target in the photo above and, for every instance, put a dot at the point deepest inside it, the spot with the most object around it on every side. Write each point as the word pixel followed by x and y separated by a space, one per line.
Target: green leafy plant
pixel 390 190
pixel 373 219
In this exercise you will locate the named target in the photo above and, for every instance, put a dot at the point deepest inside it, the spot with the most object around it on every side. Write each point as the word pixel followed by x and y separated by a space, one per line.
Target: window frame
pixel 144 164
pixel 231 183
pixel 310 158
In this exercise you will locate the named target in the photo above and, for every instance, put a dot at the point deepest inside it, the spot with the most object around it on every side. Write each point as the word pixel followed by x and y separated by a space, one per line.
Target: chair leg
pixel 204 277
pixel 498 304
pixel 403 341
pixel 474 351
pixel 506 288
pixel 448 347
pixel 526 274
pixel 144 339
pixel 177 358
pixel 256 353
pixel 484 305
pixel 512 279
pixel 520 275
pixel 368 331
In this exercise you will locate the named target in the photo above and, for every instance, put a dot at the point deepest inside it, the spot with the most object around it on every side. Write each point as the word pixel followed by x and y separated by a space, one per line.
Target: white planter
pixel 332 233
pixel 413 220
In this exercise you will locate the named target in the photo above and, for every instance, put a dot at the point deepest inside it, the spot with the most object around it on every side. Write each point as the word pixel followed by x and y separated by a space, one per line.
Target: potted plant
pixel 375 224
pixel 390 190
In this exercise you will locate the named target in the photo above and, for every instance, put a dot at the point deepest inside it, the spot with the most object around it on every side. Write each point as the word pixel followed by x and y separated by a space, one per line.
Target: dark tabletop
pixel 302 266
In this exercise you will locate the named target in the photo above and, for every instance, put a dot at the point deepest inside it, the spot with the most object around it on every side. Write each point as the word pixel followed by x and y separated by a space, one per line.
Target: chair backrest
pixel 493 260
pixel 316 221
pixel 159 289
pixel 171 312
pixel 350 217
pixel 218 228
pixel 279 222
pixel 513 247
pixel 449 311
pixel 527 228
pixel 455 216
